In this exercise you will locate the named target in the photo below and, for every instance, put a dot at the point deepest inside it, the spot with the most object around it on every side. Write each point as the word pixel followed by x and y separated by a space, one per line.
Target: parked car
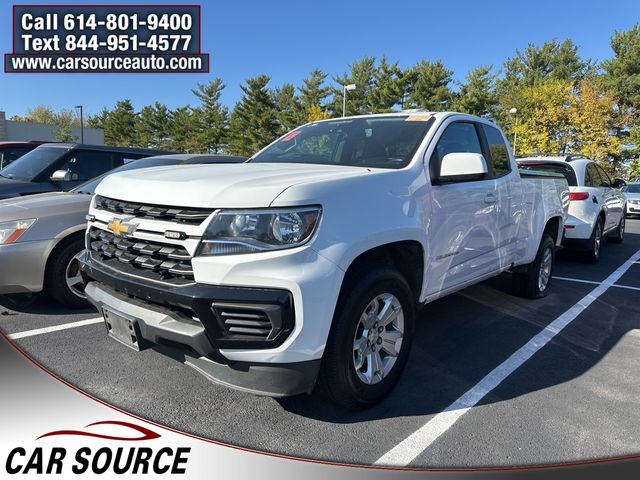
pixel 11 151
pixel 632 194
pixel 306 263
pixel 596 208
pixel 41 235
pixel 62 166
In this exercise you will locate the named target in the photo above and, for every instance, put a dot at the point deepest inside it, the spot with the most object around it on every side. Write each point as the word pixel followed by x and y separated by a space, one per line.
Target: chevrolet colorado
pixel 304 266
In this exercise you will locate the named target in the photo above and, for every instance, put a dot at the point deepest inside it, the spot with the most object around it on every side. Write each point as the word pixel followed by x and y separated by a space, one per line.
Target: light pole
pixel 79 107
pixel 345 88
pixel 514 112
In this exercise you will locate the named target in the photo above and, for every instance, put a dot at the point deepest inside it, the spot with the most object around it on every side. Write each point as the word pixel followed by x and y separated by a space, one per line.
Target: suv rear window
pixel 563 169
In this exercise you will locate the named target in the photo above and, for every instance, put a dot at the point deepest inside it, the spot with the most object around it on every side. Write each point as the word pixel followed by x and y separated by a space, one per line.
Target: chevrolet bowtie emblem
pixel 120 228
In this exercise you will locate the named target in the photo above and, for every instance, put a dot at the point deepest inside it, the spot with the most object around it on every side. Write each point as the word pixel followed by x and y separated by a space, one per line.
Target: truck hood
pixel 244 185
pixel 44 205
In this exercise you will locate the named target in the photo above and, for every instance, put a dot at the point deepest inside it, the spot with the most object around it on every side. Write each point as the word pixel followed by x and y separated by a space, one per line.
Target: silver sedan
pixel 41 235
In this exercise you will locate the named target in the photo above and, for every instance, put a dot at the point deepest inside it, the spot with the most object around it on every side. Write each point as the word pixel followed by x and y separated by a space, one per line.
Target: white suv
pixel 596 208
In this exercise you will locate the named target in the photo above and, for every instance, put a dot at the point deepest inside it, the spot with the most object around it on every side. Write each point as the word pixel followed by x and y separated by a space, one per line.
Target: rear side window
pixel 498 151
pixel 566 170
pixel 86 164
pixel 605 181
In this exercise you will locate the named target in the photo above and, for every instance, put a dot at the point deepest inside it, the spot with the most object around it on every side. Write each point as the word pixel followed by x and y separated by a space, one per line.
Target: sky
pixel 286 39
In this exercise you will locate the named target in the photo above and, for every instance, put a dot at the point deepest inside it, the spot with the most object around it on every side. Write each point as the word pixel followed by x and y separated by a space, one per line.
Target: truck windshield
pixel 31 164
pixel 376 142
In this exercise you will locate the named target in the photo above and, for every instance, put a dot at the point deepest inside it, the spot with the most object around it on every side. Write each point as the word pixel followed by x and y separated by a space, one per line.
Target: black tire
pixel 339 378
pixel 55 284
pixel 618 235
pixel 594 245
pixel 526 283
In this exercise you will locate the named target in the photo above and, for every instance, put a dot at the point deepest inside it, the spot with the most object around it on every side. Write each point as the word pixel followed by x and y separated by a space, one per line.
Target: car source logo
pixel 121 228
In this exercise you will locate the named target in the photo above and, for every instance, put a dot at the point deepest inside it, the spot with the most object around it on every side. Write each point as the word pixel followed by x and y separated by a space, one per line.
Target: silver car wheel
pixel 597 241
pixel 545 270
pixel 378 338
pixel 74 280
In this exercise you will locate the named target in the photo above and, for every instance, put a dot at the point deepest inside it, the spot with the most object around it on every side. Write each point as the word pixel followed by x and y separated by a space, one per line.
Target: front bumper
pixel 633 208
pixel 22 266
pixel 184 322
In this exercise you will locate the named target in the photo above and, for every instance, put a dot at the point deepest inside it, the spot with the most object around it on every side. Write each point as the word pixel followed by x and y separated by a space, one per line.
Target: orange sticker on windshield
pixel 290 136
pixel 418 118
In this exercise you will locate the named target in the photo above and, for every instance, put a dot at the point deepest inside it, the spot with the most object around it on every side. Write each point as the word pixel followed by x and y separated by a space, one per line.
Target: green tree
pixel 120 126
pixel 289 110
pixel 154 126
pixel 388 89
pixel 427 86
pixel 182 127
pixel 477 94
pixel 313 92
pixel 63 132
pixel 253 122
pixel 362 74
pixel 622 72
pixel 211 117
pixel 99 120
pixel 634 170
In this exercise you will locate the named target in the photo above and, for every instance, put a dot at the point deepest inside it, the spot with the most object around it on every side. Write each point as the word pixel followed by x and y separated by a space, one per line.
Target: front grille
pixel 189 216
pixel 152 260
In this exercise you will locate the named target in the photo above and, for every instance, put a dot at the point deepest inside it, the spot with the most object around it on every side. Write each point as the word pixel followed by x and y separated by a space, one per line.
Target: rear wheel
pixel 618 235
pixel 535 280
pixel 594 245
pixel 370 339
pixel 63 280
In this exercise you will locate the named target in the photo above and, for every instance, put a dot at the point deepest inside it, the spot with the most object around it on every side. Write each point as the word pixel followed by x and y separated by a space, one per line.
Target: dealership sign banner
pixel 51 429
pixel 106 39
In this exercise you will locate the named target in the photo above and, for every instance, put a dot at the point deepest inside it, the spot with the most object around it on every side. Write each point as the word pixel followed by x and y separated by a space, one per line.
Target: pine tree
pixel 120 126
pixel 211 117
pixel 387 91
pixel 313 92
pixel 477 94
pixel 359 101
pixel 253 122
pixel 428 86
pixel 289 111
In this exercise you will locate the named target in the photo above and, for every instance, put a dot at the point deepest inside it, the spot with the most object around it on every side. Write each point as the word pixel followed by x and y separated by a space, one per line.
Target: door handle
pixel 490 198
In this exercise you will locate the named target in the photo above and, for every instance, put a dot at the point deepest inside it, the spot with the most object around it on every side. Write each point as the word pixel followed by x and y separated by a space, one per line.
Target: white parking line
pixel 416 443
pixel 567 279
pixel 55 328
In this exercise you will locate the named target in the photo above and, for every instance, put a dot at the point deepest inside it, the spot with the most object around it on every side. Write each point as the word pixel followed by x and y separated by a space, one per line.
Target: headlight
pixel 251 231
pixel 10 232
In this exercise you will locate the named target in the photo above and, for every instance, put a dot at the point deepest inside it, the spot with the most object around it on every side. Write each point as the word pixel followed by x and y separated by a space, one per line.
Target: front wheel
pixel 63 280
pixel 370 339
pixel 535 279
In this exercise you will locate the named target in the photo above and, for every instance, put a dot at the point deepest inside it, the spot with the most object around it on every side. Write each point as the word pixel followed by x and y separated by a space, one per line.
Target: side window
pixel 458 137
pixel 498 151
pixel 8 155
pixel 605 181
pixel 590 178
pixel 86 164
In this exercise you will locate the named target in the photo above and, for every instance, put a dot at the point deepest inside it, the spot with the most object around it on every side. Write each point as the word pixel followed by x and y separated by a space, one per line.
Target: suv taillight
pixel 575 196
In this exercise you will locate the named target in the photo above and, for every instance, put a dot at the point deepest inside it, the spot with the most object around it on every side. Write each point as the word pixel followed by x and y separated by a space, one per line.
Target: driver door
pixel 463 229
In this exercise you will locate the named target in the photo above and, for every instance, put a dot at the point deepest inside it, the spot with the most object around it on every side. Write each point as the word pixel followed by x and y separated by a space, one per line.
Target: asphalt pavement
pixel 492 380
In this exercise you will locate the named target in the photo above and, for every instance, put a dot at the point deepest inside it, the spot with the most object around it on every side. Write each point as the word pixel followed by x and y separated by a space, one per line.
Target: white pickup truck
pixel 304 266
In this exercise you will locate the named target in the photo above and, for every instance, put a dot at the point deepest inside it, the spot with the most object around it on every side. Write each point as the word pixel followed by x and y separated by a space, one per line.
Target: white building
pixel 24 131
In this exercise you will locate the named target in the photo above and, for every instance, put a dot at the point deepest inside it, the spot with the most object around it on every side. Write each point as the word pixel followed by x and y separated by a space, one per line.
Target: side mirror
pixel 619 183
pixel 462 166
pixel 61 176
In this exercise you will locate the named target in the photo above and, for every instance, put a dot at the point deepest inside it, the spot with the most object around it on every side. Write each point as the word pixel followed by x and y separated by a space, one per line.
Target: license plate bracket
pixel 122 329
